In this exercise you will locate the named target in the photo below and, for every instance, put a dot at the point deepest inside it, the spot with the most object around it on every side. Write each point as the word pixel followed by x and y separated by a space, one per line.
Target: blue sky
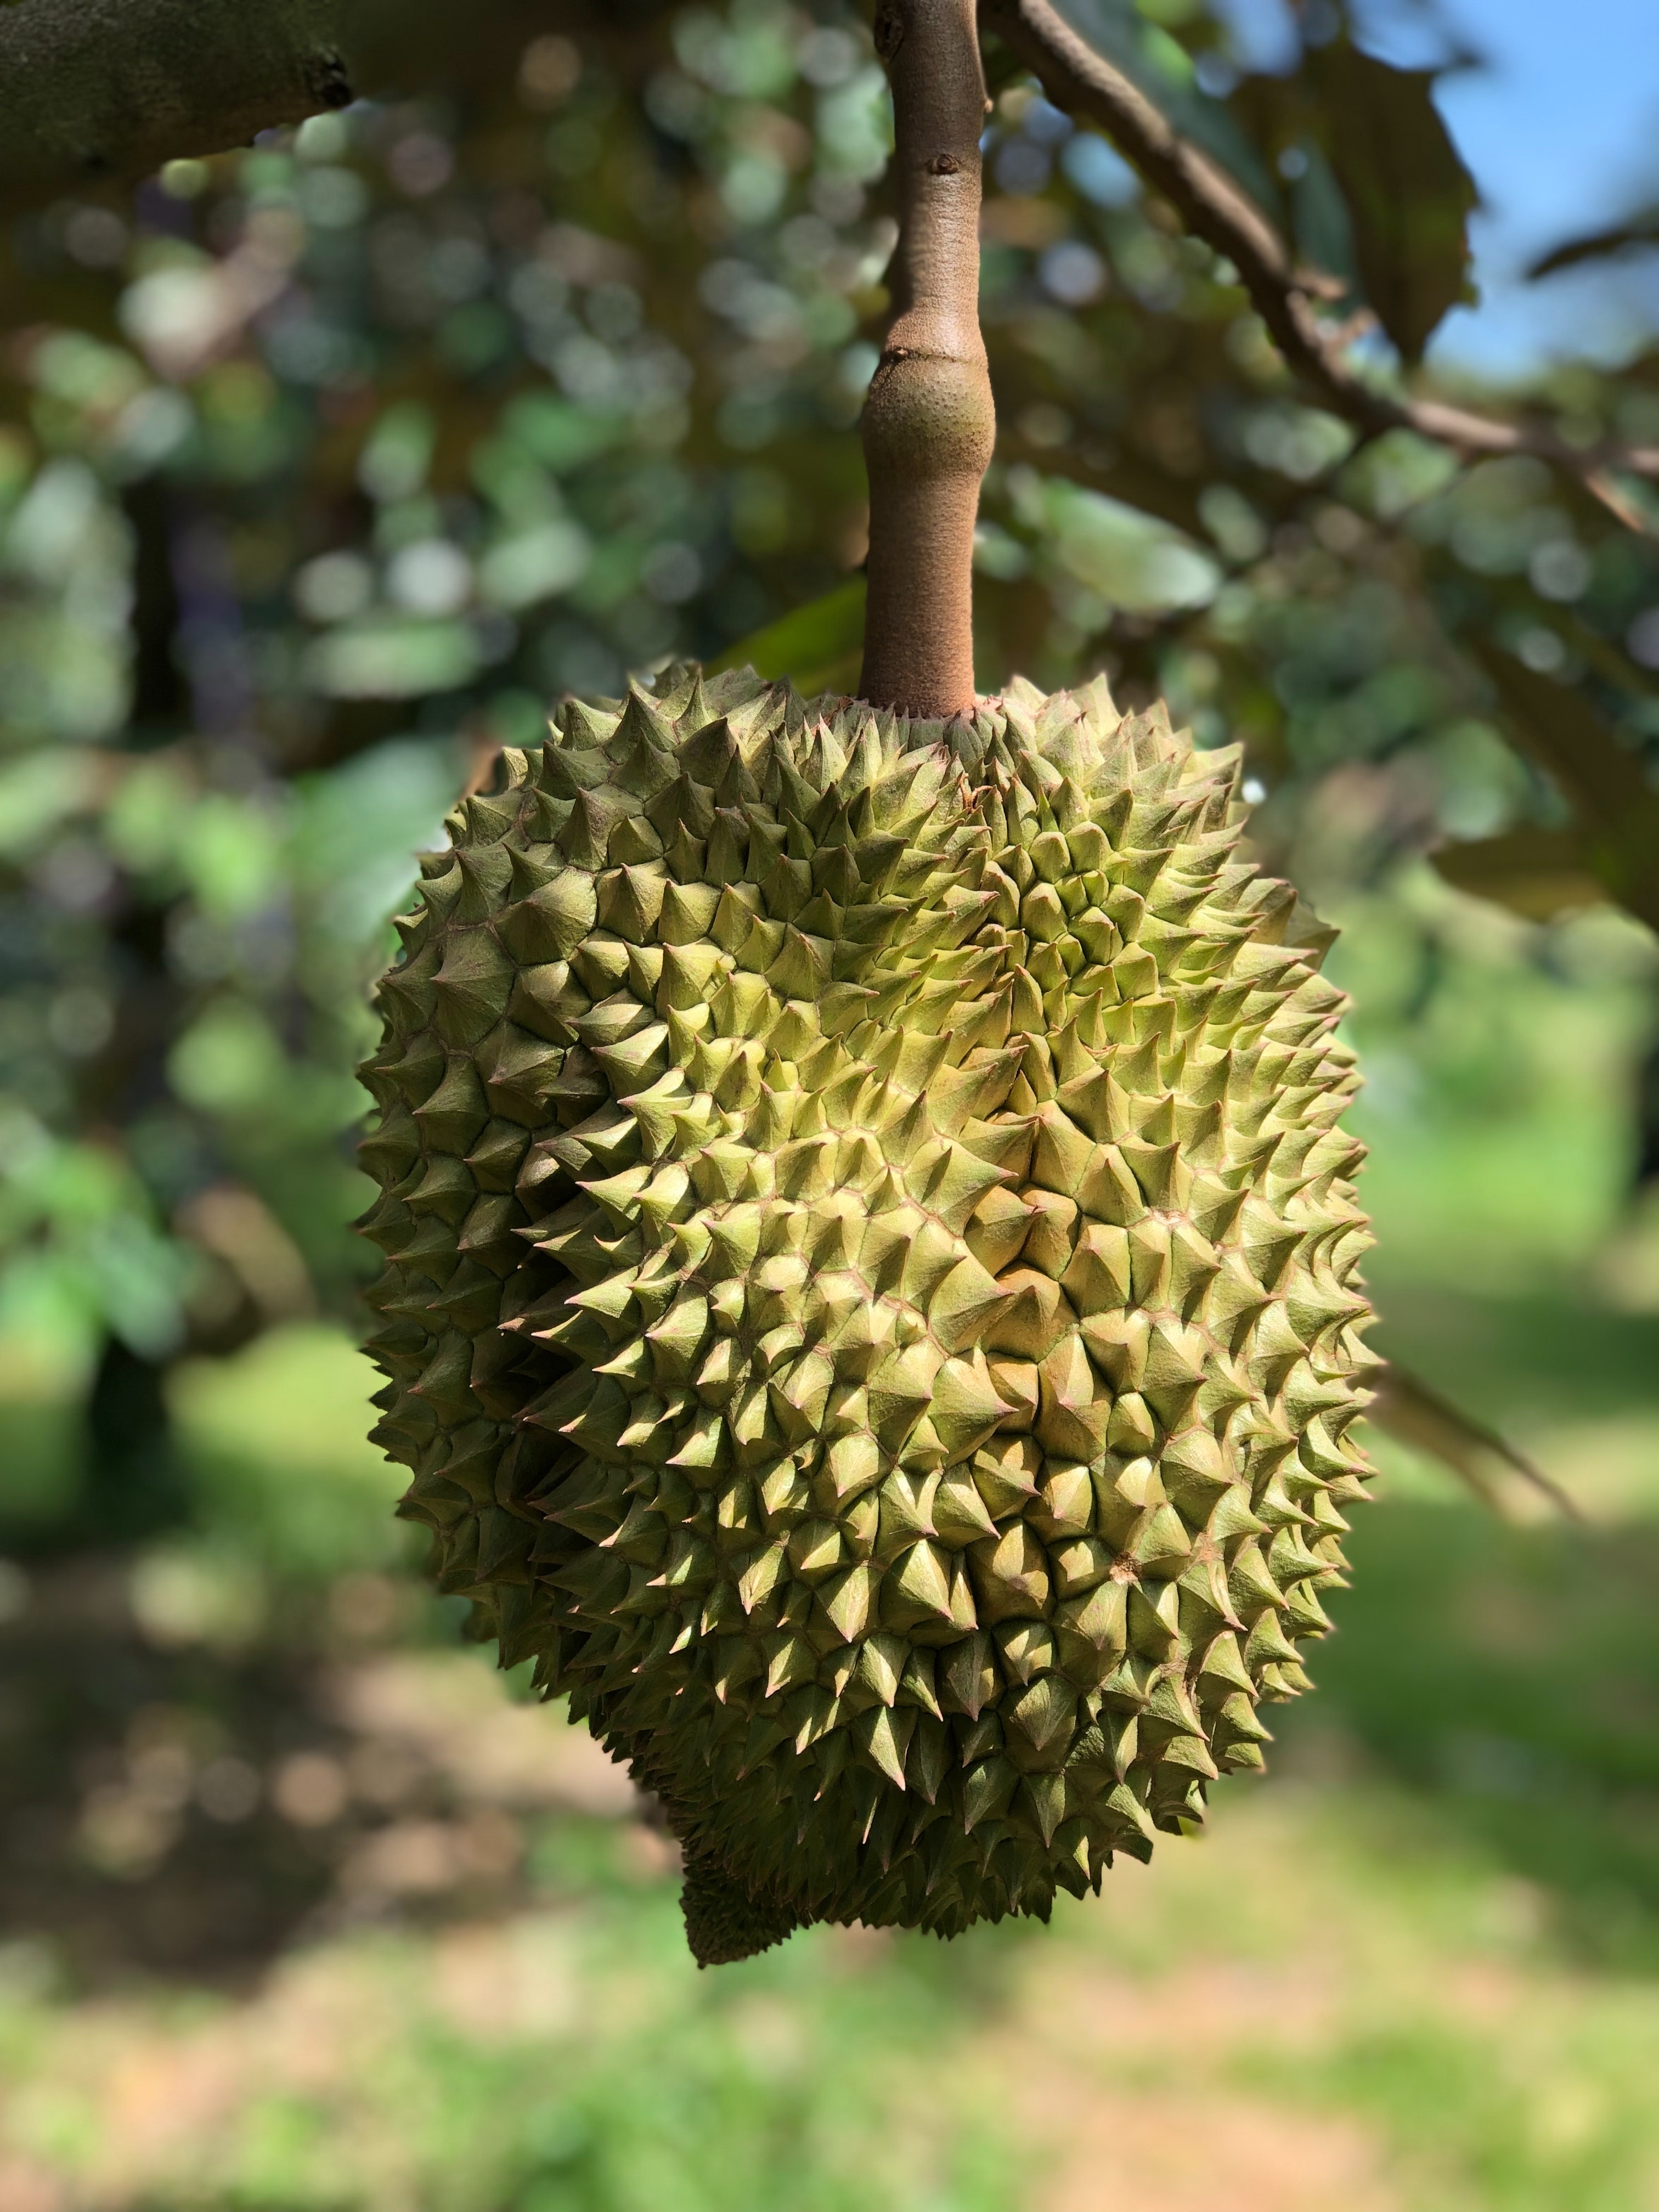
pixel 1560 130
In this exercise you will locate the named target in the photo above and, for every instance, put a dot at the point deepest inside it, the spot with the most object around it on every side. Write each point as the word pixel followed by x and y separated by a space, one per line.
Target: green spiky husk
pixel 871 1301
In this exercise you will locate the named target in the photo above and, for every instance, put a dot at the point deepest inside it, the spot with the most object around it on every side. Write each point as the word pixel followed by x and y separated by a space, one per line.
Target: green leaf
pixel 229 1060
pixel 818 646
pixel 1408 1409
pixel 41 792
pixel 1408 194
pixel 387 656
pixel 1532 871
pixel 1604 781
pixel 1134 561
pixel 535 564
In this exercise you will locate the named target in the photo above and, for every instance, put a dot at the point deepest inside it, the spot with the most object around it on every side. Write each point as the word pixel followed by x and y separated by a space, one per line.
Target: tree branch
pixel 1083 82
pixel 97 89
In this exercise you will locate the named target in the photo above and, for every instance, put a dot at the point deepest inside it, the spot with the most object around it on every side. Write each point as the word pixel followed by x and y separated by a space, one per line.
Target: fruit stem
pixel 929 422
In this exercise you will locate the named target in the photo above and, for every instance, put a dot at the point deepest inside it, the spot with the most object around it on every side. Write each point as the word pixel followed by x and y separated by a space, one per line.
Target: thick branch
pixel 92 89
pixel 929 423
pixel 1082 82
pixel 101 87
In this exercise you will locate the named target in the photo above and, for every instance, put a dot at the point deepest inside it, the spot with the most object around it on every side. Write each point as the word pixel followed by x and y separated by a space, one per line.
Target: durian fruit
pixel 870 1299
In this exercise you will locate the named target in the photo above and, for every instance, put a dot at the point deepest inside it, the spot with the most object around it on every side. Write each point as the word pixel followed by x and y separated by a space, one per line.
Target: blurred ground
pixel 301 1911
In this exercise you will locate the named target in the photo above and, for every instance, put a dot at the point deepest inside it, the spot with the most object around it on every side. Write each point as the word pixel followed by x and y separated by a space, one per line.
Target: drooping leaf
pixel 1605 781
pixel 1411 1412
pixel 1532 871
pixel 1278 118
pixel 817 646
pixel 1408 194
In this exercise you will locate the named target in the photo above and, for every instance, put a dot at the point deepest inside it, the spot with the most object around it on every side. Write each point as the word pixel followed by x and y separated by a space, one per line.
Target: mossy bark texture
pixel 98 90
pixel 929 422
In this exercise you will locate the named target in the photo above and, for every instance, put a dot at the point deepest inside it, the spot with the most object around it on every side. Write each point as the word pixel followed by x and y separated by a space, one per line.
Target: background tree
pixel 325 460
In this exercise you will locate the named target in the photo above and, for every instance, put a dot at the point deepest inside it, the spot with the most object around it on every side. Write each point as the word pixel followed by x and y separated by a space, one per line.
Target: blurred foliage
pixel 324 464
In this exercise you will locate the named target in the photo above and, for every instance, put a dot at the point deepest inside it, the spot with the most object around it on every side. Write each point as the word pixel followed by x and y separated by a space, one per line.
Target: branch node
pixel 329 80
pixel 889 31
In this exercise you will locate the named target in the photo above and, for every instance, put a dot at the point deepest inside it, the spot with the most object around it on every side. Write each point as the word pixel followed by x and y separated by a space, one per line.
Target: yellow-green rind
pixel 871 1301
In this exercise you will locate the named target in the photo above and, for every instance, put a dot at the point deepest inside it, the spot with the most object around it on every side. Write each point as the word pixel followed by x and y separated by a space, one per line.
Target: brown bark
pixel 90 88
pixel 105 89
pixel 929 422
